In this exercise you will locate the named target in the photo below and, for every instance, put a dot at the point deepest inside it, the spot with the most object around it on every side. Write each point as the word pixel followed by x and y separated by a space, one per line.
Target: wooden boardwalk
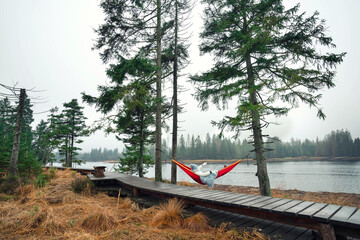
pixel 290 219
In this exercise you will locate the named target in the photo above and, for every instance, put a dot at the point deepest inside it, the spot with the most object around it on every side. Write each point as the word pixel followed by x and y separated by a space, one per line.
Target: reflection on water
pixel 316 176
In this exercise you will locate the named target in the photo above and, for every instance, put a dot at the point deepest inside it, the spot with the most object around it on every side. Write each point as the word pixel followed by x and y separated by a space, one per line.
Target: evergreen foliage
pixel 27 161
pixel 338 143
pixel 61 131
pixel 132 35
pixel 132 90
pixel 267 58
pixel 7 119
pixel 72 127
pixel 100 155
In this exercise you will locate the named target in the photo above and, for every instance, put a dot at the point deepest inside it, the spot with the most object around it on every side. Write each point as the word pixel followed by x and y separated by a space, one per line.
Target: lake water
pixel 314 176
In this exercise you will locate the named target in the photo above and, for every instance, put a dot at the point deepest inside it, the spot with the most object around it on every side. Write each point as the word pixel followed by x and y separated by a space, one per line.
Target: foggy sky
pixel 46 44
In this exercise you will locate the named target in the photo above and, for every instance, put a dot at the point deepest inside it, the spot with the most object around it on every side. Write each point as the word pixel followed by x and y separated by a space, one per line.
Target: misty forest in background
pixel 338 143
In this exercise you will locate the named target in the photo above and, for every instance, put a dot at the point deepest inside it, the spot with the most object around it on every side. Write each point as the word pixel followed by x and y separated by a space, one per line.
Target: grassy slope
pixel 55 212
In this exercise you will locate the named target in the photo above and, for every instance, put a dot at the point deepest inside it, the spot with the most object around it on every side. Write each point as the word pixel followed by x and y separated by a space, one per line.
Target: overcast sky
pixel 46 44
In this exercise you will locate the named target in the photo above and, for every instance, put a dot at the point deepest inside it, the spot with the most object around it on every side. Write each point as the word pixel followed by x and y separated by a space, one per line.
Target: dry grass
pixel 170 214
pixel 56 212
pixel 101 221
pixel 198 222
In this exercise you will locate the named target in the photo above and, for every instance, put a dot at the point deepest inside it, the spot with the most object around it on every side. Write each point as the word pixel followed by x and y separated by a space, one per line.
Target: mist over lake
pixel 314 176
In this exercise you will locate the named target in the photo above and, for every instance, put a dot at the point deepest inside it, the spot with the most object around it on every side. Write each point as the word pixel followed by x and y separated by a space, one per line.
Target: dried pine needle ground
pixel 56 212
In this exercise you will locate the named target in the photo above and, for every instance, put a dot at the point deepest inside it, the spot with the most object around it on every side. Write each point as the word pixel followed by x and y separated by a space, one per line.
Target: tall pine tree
pixel 267 58
pixel 73 127
pixel 132 97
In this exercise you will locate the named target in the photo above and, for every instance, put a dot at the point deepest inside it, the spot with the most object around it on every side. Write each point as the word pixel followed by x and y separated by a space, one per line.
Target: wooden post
pixel 327 232
pixel 99 171
pixel 135 192
pixel 16 143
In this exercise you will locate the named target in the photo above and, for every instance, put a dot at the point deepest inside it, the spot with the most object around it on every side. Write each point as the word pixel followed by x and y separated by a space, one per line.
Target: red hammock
pixel 196 177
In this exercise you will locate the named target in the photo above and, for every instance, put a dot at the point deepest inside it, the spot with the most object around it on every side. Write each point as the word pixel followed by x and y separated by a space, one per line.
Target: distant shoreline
pixel 287 159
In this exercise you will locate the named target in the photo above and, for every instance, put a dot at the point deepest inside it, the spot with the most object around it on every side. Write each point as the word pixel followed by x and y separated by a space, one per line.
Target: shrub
pixel 52 172
pixel 80 185
pixel 9 185
pixel 41 180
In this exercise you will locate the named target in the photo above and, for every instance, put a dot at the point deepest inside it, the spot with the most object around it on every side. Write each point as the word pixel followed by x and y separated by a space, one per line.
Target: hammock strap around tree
pixel 227 169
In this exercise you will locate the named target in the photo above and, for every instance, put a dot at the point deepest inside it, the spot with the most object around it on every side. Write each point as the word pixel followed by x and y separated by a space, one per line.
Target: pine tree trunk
pixel 71 150
pixel 48 156
pixel 141 154
pixel 16 143
pixel 44 157
pixel 264 183
pixel 175 106
pixel 67 163
pixel 158 167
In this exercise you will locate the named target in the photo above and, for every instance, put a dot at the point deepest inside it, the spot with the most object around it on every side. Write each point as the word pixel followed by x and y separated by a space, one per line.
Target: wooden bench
pixel 328 219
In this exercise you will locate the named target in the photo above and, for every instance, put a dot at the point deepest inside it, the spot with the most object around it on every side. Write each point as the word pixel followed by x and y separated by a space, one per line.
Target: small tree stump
pixel 99 171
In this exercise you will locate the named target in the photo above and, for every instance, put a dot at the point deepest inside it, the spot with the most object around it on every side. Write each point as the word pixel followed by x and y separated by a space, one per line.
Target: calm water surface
pixel 315 176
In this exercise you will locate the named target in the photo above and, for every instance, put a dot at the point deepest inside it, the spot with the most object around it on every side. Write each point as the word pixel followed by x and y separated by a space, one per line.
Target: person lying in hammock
pixel 208 177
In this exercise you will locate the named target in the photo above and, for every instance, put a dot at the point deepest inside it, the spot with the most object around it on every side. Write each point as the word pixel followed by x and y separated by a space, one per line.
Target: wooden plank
pixel 228 198
pixel 211 214
pixel 271 228
pixel 271 206
pixel 253 223
pixel 231 195
pixel 258 200
pixel 251 198
pixel 286 206
pixel 308 234
pixel 355 218
pixel 215 199
pixel 218 194
pixel 325 213
pixel 294 233
pixel 264 203
pixel 239 222
pixel 264 224
pixel 188 192
pixel 281 231
pixel 312 210
pixel 209 194
pixel 233 199
pixel 234 195
pixel 200 193
pixel 343 214
pixel 233 217
pixel 298 208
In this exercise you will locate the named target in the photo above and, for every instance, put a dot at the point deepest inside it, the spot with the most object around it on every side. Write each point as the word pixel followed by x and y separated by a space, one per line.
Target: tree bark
pixel 158 167
pixel 16 143
pixel 175 106
pixel 264 182
pixel 141 154
pixel 67 161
